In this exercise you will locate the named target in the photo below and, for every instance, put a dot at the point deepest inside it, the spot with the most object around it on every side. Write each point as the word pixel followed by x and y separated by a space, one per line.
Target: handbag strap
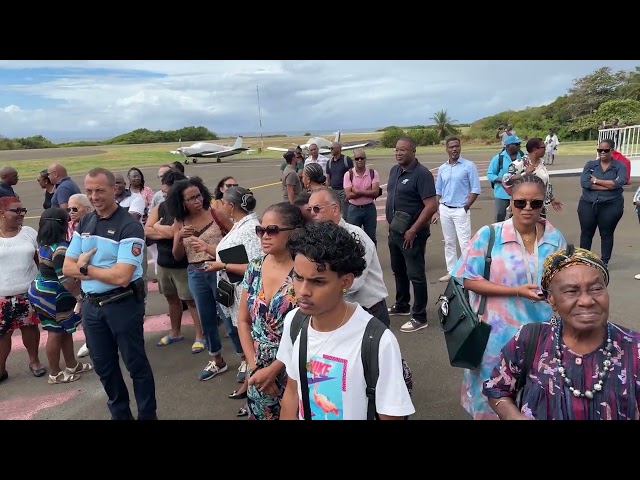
pixel 527 364
pixel 302 366
pixel 487 267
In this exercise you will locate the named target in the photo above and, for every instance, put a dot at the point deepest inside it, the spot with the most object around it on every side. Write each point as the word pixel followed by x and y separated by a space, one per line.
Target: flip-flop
pixel 167 340
pixel 198 346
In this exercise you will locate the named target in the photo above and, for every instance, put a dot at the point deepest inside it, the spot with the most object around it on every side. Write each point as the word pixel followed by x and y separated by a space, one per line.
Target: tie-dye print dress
pixel 267 324
pixel 505 314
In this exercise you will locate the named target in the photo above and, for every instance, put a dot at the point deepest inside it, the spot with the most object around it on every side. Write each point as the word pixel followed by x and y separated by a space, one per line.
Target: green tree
pixel 444 124
pixel 590 91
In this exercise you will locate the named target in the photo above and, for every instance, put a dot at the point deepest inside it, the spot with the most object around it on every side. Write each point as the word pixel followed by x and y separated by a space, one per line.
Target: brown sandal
pixel 66 378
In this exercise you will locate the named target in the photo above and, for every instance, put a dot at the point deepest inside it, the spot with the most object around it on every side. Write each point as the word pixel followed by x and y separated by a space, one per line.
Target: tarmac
pixel 180 395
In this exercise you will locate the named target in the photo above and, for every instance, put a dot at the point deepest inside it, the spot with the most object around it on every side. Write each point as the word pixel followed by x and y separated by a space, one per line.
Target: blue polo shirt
pixel 493 173
pixel 64 189
pixel 118 239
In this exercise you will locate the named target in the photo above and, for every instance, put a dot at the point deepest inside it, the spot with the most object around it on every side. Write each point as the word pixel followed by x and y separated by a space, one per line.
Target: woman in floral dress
pixel 267 297
pixel 521 244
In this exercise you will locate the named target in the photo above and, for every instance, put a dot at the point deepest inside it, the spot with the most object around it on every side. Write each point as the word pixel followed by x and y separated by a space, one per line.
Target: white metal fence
pixel 627 140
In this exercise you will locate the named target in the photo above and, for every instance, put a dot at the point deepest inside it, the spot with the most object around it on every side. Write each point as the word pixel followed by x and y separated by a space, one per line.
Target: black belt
pixel 362 206
pixel 110 296
pixel 449 206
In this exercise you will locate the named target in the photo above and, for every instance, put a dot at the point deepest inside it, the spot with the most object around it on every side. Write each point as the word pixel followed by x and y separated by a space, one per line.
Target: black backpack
pixel 369 354
pixel 370 174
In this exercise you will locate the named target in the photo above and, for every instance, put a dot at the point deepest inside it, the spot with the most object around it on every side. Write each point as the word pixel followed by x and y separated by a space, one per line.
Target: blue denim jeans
pixel 365 217
pixel 203 286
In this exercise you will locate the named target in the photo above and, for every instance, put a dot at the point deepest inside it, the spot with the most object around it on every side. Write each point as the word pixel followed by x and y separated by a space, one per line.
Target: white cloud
pixel 99 98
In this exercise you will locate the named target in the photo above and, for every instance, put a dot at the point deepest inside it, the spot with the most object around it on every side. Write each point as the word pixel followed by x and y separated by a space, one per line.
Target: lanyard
pixel 525 257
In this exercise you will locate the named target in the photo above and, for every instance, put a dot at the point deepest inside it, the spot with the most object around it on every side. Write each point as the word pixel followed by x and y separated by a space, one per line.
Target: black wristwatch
pixel 84 269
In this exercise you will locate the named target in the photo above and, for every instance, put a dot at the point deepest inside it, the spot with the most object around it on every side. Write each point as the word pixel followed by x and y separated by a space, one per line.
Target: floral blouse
pixel 267 320
pixel 547 397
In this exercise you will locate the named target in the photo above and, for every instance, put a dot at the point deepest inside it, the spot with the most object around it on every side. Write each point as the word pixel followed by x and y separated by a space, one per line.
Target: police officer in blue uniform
pixel 106 254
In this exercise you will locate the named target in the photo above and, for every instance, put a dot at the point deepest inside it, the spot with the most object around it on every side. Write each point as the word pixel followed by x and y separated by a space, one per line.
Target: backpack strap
pixel 487 267
pixel 299 326
pixel 296 325
pixel 302 368
pixel 527 364
pixel 369 353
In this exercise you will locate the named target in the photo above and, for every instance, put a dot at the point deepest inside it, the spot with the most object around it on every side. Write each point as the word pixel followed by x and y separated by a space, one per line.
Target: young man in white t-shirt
pixel 327 258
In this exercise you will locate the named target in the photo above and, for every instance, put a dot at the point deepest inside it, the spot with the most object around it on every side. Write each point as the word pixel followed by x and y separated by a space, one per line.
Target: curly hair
pixel 175 202
pixel 329 244
pixel 136 169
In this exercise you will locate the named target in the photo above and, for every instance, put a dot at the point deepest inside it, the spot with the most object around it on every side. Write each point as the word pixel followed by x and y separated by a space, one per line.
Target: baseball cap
pixel 512 139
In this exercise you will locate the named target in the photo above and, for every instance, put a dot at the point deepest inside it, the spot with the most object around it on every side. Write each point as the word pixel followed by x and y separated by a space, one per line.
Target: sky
pixel 67 100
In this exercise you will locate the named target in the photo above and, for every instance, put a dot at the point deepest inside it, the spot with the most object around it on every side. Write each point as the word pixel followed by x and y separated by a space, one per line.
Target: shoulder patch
pixel 136 248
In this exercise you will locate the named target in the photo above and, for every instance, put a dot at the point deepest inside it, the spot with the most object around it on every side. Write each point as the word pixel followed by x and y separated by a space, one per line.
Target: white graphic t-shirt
pixel 336 381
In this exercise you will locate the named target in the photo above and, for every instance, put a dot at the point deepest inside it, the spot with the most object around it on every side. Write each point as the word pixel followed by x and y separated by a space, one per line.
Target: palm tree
pixel 443 124
pixel 631 88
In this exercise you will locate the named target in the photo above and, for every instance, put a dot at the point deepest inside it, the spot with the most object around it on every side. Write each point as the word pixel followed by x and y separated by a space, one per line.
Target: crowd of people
pixel 300 290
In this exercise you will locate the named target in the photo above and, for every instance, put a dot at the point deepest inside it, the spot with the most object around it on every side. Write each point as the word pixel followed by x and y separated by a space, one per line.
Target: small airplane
pixel 324 145
pixel 209 150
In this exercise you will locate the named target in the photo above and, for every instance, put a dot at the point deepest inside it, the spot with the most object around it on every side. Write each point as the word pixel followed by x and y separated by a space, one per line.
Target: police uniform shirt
pixel 117 238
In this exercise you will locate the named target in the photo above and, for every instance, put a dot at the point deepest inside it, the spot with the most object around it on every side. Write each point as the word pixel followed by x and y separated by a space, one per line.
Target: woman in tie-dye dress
pixel 513 286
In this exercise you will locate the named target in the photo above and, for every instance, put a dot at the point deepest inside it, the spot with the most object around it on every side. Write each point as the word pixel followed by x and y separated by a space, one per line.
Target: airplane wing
pixel 325 151
pixel 223 152
pixel 278 149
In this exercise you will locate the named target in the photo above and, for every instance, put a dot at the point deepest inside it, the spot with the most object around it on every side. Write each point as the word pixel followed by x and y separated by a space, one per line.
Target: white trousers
pixel 455 222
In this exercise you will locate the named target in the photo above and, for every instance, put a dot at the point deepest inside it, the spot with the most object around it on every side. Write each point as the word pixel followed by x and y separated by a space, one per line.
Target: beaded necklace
pixel 606 364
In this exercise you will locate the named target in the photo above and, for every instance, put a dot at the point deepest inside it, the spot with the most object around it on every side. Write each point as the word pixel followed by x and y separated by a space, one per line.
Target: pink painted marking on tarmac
pixel 25 408
pixel 152 286
pixel 152 323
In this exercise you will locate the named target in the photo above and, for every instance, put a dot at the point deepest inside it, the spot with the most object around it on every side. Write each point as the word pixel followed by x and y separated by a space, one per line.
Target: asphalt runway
pixel 181 396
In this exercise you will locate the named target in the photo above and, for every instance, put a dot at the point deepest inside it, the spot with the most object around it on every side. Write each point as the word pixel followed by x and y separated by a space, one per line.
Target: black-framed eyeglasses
pixel 535 204
pixel 194 198
pixel 271 230
pixel 18 211
pixel 603 150
pixel 230 185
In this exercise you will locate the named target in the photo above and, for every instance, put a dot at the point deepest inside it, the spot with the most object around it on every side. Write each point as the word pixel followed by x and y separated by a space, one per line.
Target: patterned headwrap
pixel 562 259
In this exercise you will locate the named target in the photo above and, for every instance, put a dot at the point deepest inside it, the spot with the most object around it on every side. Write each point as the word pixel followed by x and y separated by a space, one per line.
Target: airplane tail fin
pixel 338 135
pixel 238 143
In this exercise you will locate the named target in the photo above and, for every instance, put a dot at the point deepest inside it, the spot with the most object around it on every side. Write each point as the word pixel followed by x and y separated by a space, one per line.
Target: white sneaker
pixel 446 278
pixel 84 351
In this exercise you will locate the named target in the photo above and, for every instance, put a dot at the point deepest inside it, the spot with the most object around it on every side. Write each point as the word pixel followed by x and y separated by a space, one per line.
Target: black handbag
pixel 465 334
pixel 226 293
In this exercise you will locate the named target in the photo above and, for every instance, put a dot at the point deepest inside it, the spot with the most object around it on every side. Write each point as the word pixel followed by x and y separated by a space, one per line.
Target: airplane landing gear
pixel 217 160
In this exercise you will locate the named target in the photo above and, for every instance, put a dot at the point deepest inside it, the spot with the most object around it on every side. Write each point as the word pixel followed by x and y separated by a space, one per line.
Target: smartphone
pixel 200 266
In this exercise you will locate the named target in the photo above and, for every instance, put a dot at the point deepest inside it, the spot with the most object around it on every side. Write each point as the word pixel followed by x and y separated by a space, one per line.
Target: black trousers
pixel 408 266
pixel 603 216
pixel 118 327
pixel 381 312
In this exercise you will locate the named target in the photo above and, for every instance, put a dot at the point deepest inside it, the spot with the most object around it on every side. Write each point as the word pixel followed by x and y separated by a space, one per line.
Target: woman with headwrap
pixel 513 293
pixel 584 367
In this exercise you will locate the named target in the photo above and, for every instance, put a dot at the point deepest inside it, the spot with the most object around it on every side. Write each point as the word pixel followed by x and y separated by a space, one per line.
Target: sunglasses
pixel 535 204
pixel 272 230
pixel 318 208
pixel 230 185
pixel 73 209
pixel 603 150
pixel 18 211
pixel 360 158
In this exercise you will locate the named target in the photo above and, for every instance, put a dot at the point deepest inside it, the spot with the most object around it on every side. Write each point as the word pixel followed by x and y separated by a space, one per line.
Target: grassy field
pixel 121 157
